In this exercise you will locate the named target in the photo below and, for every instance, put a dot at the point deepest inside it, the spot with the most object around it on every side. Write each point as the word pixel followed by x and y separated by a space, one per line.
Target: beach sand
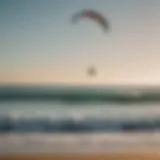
pixel 134 155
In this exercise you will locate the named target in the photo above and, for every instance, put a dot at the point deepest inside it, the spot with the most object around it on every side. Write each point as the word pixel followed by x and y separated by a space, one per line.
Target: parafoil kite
pixel 91 14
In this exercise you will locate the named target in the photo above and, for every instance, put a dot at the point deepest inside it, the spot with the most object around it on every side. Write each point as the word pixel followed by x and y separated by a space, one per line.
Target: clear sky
pixel 39 44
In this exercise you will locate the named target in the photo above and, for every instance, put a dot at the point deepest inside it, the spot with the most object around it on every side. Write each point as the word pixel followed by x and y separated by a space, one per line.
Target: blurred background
pixel 79 76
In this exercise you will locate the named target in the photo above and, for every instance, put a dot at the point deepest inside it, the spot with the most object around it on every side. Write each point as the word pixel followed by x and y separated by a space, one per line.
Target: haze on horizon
pixel 39 44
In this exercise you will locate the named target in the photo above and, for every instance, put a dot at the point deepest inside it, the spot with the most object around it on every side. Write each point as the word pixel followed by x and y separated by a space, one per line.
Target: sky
pixel 40 45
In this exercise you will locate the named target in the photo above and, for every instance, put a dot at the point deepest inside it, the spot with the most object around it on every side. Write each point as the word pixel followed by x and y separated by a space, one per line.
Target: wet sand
pixel 136 155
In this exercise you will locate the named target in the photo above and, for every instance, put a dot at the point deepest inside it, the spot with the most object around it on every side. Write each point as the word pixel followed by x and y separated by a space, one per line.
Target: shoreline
pixel 62 144
pixel 132 155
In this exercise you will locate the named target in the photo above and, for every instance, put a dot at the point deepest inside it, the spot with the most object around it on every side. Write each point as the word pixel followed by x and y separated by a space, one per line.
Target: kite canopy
pixel 93 15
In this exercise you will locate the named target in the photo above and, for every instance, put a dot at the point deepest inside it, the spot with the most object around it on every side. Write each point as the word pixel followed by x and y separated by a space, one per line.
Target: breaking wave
pixel 87 124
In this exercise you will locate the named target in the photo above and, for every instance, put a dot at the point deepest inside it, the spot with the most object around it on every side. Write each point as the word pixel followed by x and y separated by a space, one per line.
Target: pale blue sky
pixel 38 43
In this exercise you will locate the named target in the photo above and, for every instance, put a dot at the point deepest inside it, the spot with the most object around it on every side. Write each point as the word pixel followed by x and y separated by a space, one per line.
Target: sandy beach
pixel 134 155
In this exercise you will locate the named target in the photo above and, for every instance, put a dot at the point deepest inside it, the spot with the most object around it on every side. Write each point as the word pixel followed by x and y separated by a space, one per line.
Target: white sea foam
pixel 133 112
pixel 74 143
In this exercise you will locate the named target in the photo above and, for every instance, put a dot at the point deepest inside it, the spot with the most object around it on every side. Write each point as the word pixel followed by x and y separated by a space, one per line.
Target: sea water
pixel 62 126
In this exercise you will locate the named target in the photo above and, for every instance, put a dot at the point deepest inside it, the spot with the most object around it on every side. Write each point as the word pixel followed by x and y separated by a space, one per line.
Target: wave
pixel 7 124
pixel 80 94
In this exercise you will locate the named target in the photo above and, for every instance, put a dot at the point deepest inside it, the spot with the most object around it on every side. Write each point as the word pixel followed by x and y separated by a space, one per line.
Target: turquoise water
pixel 77 109
pixel 78 119
pixel 82 94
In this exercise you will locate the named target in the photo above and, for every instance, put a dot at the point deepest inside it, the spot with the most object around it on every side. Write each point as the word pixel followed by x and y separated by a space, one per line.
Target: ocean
pixel 64 119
